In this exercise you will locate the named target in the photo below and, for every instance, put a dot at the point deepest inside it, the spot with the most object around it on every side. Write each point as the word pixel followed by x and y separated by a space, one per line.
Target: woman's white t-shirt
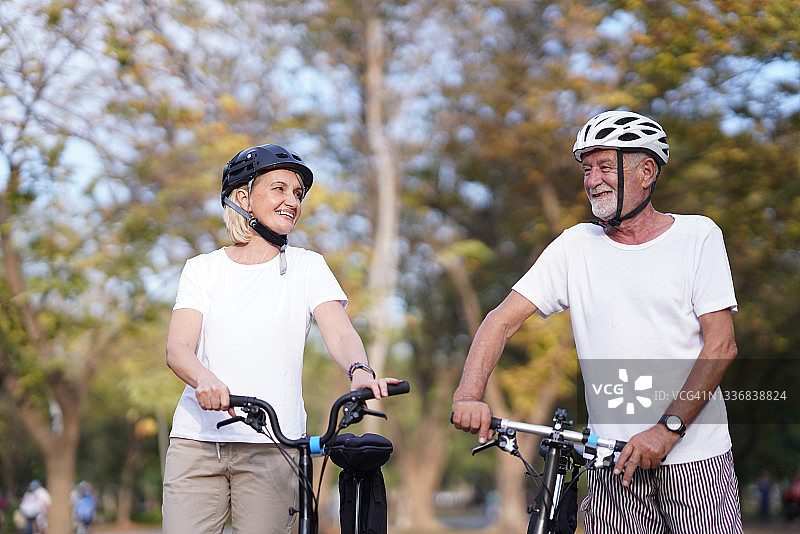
pixel 634 312
pixel 255 325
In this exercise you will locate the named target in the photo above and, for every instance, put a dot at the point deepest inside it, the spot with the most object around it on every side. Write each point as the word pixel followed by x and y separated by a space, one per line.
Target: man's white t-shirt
pixel 639 304
pixel 255 325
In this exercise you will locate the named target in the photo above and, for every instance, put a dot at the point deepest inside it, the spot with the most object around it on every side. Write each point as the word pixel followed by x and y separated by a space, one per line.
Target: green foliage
pixel 483 100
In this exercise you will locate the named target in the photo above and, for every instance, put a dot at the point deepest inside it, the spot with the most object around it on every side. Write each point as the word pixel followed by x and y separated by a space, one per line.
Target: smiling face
pixel 600 182
pixel 275 200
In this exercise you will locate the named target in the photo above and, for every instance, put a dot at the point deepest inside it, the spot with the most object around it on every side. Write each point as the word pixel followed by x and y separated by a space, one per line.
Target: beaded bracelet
pixel 359 365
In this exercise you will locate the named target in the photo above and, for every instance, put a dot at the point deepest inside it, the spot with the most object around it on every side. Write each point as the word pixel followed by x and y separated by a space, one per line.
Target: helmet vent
pixel 622 130
pixel 605 132
pixel 255 161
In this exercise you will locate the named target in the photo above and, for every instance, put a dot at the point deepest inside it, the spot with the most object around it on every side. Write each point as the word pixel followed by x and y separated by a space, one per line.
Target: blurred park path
pixel 775 527
pixel 135 529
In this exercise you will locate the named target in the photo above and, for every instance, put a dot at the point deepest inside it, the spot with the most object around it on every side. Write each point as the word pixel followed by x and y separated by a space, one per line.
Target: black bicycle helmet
pixel 254 161
pixel 245 166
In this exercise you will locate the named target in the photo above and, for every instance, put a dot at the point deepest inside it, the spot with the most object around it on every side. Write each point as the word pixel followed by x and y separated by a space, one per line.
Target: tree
pixel 53 299
pixel 85 244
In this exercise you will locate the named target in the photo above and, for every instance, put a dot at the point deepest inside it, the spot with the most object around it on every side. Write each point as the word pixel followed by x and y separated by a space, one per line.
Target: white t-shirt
pixel 255 325
pixel 634 312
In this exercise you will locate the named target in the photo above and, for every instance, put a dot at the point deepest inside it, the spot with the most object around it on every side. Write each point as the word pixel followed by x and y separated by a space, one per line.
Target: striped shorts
pixel 697 497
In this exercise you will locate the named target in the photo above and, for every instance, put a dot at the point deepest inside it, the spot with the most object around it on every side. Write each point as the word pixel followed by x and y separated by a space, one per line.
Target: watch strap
pixel 681 430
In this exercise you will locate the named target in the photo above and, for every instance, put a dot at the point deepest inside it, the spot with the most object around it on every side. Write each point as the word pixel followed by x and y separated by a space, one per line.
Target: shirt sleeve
pixel 323 286
pixel 190 294
pixel 545 284
pixel 713 283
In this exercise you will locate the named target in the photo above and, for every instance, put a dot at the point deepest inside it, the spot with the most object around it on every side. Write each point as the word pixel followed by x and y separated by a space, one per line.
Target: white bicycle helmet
pixel 622 130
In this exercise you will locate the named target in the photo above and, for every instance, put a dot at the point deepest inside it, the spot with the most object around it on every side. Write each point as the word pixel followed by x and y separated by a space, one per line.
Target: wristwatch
pixel 673 423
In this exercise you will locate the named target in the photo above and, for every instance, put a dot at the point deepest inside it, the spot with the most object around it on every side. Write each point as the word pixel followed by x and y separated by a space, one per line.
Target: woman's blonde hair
pixel 236 225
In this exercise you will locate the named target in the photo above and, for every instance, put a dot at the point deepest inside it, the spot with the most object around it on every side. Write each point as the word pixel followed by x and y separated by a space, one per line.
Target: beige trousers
pixel 203 484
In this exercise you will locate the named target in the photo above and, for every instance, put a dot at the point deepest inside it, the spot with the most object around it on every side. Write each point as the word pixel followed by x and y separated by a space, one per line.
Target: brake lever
pixel 236 419
pixel 256 418
pixel 505 440
pixel 354 411
pixel 488 444
pixel 374 413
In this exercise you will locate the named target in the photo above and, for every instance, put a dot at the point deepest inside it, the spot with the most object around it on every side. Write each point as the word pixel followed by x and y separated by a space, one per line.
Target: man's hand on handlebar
pixel 473 416
pixel 645 450
pixel 379 386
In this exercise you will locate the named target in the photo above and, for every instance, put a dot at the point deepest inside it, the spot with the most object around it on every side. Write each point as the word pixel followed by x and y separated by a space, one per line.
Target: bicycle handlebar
pixel 351 401
pixel 547 431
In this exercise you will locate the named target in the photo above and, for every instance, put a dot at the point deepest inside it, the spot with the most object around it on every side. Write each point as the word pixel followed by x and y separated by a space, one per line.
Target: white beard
pixel 604 207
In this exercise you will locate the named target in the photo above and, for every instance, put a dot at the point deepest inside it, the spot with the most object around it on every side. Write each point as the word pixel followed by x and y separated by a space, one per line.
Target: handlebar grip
pixel 495 424
pixel 240 400
pixel 400 388
pixel 619 445
pixel 394 389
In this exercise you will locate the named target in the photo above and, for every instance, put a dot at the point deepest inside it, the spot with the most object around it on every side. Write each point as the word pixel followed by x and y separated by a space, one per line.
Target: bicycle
pixel 563 450
pixel 354 410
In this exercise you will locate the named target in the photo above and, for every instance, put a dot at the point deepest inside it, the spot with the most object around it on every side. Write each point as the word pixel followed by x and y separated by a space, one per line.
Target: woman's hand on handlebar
pixel 473 416
pixel 379 386
pixel 213 394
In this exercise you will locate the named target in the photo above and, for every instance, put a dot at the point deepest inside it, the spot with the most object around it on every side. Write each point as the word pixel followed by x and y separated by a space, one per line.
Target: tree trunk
pixel 59 445
pixel 382 279
pixel 421 477
pixel 509 477
pixel 126 480
pixel 421 455
pixel 60 463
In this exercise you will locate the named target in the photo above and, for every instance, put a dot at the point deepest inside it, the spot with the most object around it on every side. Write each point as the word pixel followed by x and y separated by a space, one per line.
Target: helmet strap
pixel 279 240
pixel 618 217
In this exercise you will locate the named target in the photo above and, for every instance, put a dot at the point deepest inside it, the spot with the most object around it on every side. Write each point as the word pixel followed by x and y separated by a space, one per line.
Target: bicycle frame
pixel 558 442
pixel 353 408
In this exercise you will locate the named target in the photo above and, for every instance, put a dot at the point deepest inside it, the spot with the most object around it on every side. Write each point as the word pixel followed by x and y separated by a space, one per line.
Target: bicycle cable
pixel 308 485
pixel 326 456
pixel 535 475
pixel 529 469
pixel 572 482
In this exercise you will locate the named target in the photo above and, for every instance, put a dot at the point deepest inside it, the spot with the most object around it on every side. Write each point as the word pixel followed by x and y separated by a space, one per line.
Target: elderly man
pixel 640 286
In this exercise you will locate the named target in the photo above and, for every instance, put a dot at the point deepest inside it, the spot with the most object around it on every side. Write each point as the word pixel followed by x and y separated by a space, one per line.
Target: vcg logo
pixel 617 392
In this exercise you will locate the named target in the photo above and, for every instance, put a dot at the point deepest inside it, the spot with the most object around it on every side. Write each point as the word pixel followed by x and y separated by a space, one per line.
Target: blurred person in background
pixel 84 507
pixel 34 505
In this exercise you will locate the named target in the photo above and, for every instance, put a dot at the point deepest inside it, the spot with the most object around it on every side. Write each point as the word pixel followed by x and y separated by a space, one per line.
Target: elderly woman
pixel 240 323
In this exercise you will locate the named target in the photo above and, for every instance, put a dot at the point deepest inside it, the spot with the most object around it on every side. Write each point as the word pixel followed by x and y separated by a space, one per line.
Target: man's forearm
pixel 485 352
pixel 712 362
